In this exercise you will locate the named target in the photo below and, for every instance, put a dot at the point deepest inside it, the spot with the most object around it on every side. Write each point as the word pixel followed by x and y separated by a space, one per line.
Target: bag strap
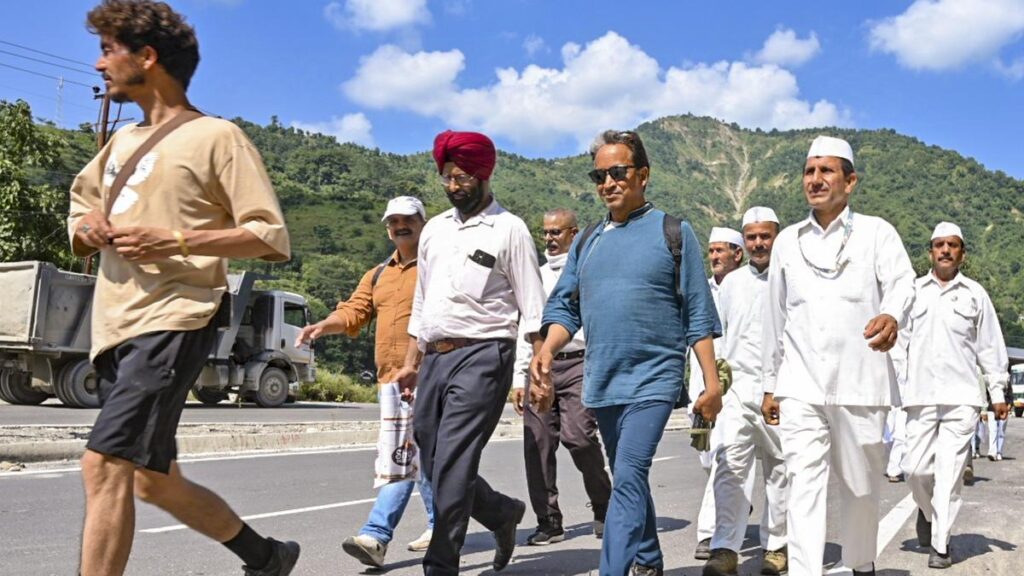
pixel 674 238
pixel 129 167
pixel 584 236
pixel 377 273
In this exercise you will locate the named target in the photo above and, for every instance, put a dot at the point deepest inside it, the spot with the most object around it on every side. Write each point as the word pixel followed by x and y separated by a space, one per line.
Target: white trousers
pixel 746 437
pixel 938 448
pixel 895 439
pixel 709 461
pixel 996 434
pixel 816 439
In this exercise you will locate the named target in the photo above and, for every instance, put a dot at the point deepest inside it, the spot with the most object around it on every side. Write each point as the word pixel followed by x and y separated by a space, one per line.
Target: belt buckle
pixel 443 346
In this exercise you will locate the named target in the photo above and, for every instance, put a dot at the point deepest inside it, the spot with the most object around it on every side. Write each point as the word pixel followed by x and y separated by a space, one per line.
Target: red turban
pixel 471 151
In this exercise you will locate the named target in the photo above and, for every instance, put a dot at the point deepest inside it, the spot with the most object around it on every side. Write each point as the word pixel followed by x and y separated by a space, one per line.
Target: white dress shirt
pixel 814 348
pixel 550 272
pixel 459 296
pixel 741 306
pixel 953 332
pixel 696 383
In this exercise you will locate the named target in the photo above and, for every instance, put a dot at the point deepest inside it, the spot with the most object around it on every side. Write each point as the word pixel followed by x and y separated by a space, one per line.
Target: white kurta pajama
pixel 833 390
pixel 743 432
pixel 953 333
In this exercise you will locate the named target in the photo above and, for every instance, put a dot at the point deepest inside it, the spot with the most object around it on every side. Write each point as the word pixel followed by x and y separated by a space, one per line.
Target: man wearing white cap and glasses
pixel 953 333
pixel 386 293
pixel 839 286
pixel 725 254
pixel 743 433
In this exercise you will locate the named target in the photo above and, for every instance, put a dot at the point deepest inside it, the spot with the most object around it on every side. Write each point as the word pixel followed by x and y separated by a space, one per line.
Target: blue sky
pixel 543 76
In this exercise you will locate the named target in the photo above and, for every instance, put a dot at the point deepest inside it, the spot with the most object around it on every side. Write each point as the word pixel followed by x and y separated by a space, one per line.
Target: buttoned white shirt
pixel 550 272
pixel 814 345
pixel 953 333
pixel 696 385
pixel 476 279
pixel 741 306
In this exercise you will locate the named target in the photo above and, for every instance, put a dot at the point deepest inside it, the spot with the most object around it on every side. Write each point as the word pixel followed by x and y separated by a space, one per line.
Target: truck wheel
pixel 78 385
pixel 209 396
pixel 273 390
pixel 15 389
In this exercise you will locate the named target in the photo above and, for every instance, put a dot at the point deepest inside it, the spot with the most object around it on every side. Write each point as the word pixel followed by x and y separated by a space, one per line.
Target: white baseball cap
pixel 406 206
pixel 829 146
pixel 759 214
pixel 947 229
pixel 726 235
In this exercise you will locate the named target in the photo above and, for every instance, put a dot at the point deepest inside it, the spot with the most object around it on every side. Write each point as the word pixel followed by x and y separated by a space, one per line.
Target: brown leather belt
pixel 570 355
pixel 446 345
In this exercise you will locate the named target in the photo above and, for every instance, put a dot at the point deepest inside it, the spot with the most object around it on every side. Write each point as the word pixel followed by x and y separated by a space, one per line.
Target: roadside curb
pixel 261 438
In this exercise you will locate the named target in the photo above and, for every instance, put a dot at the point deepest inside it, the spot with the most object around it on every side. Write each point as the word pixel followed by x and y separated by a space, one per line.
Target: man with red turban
pixel 477 280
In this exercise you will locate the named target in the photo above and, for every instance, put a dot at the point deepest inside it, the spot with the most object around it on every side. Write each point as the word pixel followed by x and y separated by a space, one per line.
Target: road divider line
pixel 887 530
pixel 270 514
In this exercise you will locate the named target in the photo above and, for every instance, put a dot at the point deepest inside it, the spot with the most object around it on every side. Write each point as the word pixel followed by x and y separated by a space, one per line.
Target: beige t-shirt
pixel 206 175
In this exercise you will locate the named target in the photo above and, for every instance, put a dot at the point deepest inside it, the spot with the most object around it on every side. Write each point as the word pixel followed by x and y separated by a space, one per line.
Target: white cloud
pixel 355 128
pixel 377 15
pixel 606 83
pixel 1013 70
pixel 784 48
pixel 457 7
pixel 534 44
pixel 947 34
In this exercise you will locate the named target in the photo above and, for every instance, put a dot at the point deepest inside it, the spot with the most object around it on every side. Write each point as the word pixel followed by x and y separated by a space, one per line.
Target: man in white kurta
pixel 743 433
pixel 953 333
pixel 725 255
pixel 839 285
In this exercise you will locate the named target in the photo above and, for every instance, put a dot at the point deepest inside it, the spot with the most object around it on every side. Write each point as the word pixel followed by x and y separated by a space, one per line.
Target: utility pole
pixel 102 135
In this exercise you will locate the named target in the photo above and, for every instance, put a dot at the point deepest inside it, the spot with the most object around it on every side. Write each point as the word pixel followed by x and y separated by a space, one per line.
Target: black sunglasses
pixel 618 173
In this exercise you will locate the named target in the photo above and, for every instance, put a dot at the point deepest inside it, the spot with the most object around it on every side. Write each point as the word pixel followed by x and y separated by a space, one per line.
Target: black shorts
pixel 143 384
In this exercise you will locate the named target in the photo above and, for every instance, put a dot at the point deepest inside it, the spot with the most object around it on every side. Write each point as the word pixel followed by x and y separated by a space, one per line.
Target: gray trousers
pixel 570 423
pixel 459 400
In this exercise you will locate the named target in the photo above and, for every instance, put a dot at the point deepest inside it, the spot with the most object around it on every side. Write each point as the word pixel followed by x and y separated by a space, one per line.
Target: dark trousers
pixel 459 400
pixel 576 427
pixel 631 434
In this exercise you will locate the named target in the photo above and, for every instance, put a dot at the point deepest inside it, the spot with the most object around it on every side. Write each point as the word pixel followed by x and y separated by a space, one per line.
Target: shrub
pixel 335 387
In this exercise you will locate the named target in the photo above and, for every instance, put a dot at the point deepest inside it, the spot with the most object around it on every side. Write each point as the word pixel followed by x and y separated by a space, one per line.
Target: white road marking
pixel 887 529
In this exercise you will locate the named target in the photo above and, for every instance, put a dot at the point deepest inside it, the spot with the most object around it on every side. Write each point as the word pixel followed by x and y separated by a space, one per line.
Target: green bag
pixel 700 430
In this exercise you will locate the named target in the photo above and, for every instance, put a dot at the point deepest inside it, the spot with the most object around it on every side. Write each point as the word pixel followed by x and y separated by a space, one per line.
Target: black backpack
pixel 670 227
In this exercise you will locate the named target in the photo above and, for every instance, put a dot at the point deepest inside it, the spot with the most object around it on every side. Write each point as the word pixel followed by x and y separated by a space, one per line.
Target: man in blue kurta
pixel 619 285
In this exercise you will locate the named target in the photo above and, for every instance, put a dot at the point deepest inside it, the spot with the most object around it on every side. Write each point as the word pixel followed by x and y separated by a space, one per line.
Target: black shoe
pixel 286 554
pixel 865 572
pixel 895 479
pixel 549 531
pixel 505 536
pixel 936 560
pixel 924 530
pixel 640 570
pixel 703 551
pixel 969 475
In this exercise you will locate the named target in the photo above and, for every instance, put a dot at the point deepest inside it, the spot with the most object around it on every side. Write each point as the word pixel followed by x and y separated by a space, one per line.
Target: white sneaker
pixel 422 543
pixel 366 549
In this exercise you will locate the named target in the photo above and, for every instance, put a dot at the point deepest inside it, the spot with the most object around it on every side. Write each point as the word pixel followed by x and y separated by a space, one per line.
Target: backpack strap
pixel 584 236
pixel 376 275
pixel 674 240
pixel 128 168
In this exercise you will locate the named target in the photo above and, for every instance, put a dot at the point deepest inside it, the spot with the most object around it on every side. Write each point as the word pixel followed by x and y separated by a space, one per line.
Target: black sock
pixel 253 549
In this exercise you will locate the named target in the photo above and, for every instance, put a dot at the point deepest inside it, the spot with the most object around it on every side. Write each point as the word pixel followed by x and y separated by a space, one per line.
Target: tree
pixel 32 212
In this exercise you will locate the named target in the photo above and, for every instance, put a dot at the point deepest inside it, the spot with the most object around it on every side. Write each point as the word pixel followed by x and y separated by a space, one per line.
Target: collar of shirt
pixel 635 214
pixel 395 260
pixel 485 216
pixel 841 220
pixel 753 271
pixel 930 278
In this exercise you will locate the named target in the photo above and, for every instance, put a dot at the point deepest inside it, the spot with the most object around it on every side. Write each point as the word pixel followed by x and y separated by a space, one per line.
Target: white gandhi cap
pixel 829 146
pixel 759 214
pixel 726 235
pixel 947 229
pixel 406 206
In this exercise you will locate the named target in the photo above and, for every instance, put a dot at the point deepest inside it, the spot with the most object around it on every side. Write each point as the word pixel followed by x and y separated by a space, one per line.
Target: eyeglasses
pixel 461 180
pixel 618 173
pixel 553 231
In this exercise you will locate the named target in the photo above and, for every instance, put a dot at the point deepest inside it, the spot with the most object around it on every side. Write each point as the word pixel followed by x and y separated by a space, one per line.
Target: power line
pixel 57 78
pixel 51 98
pixel 45 53
pixel 79 70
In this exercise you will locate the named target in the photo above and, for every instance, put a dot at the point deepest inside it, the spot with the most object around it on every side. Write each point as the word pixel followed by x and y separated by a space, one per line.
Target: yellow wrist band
pixel 181 242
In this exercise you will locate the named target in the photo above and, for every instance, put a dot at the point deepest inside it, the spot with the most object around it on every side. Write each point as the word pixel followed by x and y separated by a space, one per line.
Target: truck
pixel 1017 387
pixel 45 323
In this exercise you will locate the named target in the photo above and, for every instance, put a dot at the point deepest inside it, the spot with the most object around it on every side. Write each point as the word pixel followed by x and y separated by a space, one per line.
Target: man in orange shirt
pixel 386 291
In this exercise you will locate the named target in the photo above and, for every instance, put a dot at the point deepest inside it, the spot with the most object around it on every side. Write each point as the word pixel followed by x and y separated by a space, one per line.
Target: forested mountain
pixel 701 169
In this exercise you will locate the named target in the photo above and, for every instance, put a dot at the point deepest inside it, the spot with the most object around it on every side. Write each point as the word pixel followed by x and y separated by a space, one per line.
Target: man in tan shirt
pixel 386 291
pixel 200 196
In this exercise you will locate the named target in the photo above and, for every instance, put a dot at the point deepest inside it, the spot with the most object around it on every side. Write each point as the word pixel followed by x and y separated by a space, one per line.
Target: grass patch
pixel 336 387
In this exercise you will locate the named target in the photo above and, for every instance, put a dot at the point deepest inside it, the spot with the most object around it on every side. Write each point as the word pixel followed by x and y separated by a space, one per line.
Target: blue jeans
pixel 390 505
pixel 631 433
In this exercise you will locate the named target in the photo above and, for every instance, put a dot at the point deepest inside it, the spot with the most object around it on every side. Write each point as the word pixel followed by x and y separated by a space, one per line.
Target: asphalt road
pixel 320 498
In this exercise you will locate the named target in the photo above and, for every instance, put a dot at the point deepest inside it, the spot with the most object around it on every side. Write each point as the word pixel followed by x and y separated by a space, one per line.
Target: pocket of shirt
pixel 473 282
pixel 965 316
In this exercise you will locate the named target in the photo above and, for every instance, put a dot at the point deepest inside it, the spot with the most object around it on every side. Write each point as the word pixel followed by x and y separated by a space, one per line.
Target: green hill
pixel 702 170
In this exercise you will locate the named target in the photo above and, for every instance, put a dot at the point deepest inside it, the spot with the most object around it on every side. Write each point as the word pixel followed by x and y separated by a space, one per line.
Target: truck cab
pixel 1017 387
